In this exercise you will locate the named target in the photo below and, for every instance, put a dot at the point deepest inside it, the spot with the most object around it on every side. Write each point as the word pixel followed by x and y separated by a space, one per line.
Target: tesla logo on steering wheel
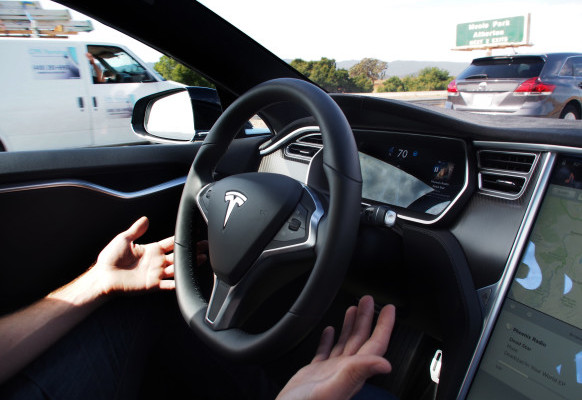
pixel 233 199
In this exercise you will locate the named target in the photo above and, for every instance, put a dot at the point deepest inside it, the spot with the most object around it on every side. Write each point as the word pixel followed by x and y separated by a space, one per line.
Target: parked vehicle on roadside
pixel 92 88
pixel 544 85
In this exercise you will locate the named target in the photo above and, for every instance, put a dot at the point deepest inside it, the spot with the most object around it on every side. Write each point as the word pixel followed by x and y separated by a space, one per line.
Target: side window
pixel 111 64
pixel 257 126
pixel 78 95
pixel 567 68
pixel 577 66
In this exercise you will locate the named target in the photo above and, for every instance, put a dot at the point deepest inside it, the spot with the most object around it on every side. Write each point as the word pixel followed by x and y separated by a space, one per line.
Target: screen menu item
pixel 535 350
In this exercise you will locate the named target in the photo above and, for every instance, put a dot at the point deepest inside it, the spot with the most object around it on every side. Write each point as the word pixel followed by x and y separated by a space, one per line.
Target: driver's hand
pixel 340 372
pixel 126 266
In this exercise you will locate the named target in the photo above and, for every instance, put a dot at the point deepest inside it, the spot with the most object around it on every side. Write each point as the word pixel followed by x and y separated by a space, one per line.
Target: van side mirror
pixel 176 115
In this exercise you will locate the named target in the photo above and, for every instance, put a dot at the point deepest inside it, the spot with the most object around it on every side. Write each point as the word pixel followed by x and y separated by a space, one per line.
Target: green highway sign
pixel 501 32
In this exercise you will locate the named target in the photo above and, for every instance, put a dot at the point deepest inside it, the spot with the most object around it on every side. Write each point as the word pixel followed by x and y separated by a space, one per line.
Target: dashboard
pixel 488 206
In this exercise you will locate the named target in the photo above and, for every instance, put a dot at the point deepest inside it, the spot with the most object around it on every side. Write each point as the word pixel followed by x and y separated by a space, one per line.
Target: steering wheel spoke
pixel 222 307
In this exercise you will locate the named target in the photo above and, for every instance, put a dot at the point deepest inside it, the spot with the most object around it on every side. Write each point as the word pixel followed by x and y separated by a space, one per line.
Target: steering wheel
pixel 257 222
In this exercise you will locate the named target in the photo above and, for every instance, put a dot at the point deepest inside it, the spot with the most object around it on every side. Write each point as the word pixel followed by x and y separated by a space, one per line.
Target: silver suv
pixel 544 85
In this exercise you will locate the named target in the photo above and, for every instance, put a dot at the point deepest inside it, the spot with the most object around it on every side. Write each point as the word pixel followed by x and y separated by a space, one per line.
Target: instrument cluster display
pixel 417 173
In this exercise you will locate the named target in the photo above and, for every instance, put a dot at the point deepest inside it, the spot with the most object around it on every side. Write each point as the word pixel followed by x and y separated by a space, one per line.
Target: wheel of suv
pixel 570 112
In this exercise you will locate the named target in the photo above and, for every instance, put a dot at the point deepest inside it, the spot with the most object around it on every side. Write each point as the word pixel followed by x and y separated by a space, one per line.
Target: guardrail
pixel 435 98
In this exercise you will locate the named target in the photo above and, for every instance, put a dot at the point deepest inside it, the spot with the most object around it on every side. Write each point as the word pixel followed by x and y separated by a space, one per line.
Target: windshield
pixel 404 49
pixel 407 50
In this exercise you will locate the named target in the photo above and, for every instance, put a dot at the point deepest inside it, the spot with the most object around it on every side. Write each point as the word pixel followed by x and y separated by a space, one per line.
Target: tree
pixel 325 73
pixel 392 84
pixel 172 70
pixel 430 78
pixel 371 68
pixel 363 84
pixel 433 78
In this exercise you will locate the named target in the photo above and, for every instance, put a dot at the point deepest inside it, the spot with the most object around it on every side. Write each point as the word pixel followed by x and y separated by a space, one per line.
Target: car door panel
pixel 59 208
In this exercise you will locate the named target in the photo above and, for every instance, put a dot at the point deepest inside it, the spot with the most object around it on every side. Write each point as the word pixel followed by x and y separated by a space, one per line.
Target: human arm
pixel 122 266
pixel 99 78
pixel 339 372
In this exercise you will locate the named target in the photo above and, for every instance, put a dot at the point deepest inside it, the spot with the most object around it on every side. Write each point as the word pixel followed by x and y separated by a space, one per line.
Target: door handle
pixel 95 102
pixel 81 103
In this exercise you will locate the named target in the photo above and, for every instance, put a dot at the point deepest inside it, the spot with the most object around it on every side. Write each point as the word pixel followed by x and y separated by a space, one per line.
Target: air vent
pixel 297 149
pixel 305 147
pixel 505 174
pixel 314 138
pixel 506 161
pixel 502 183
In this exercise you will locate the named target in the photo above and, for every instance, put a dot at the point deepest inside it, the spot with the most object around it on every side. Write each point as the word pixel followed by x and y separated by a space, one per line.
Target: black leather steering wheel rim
pixel 336 233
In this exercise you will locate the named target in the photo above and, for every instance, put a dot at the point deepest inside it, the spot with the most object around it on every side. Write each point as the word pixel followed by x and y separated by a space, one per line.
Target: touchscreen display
pixel 535 350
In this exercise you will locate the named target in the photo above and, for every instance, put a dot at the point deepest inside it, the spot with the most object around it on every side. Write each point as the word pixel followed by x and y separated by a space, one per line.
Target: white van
pixel 57 93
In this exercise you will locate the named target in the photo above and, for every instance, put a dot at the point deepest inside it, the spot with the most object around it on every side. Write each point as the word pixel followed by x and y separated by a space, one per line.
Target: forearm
pixel 98 72
pixel 26 334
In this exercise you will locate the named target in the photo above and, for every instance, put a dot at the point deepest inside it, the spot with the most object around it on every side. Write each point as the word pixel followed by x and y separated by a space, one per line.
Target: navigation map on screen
pixel 535 350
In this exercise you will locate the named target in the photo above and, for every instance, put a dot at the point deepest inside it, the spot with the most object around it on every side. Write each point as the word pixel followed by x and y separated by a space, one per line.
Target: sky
pixel 389 30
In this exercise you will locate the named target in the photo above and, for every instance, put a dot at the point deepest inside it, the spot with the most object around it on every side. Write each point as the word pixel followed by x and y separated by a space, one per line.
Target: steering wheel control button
pixel 294 224
pixel 294 230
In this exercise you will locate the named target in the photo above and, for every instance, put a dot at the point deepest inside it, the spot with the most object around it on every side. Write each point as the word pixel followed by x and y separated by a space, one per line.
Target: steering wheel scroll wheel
pixel 257 220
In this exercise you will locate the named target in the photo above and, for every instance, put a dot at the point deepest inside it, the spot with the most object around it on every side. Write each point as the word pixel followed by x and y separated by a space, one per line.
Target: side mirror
pixel 176 115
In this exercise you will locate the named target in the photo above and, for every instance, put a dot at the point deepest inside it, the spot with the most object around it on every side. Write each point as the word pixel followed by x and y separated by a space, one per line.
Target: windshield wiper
pixel 477 76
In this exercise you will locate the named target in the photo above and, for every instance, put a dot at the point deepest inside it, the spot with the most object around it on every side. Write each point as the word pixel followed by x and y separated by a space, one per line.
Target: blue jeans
pixel 105 357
